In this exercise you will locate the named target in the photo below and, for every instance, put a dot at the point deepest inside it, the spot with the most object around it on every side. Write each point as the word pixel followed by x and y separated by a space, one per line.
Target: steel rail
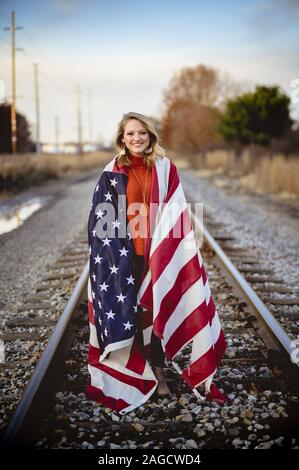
pixel 252 298
pixel 30 404
pixel 27 412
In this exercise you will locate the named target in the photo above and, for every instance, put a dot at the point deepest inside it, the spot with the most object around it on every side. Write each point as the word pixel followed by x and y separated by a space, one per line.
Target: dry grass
pixel 24 170
pixel 270 173
pixel 219 160
pixel 279 174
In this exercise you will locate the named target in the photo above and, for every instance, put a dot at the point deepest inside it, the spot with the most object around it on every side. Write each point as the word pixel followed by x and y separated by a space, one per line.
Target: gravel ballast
pixel 26 251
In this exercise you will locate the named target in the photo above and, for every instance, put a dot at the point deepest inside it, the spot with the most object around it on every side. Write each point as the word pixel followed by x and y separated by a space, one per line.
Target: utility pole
pixel 79 120
pixel 57 133
pixel 2 90
pixel 13 118
pixel 90 129
pixel 37 116
pixel 13 103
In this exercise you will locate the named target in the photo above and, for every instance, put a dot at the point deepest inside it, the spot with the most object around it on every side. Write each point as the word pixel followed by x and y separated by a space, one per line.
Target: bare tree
pixel 192 105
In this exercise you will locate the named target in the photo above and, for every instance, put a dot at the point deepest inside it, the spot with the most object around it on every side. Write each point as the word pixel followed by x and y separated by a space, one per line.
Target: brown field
pixel 269 173
pixel 24 170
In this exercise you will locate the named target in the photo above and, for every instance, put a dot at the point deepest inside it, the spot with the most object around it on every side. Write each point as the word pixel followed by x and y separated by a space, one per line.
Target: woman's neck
pixel 137 155
pixel 136 160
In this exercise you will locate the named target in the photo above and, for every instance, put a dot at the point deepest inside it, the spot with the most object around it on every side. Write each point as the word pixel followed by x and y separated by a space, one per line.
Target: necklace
pixel 143 192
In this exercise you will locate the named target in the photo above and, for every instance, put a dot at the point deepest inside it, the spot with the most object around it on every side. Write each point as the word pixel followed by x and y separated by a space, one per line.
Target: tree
pixel 190 127
pixel 24 142
pixel 192 102
pixel 256 117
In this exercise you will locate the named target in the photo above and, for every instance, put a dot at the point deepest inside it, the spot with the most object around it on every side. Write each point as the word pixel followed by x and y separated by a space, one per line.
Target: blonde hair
pixel 123 155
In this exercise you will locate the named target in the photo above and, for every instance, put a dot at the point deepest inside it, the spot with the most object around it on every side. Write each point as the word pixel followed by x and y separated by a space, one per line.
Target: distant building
pixel 69 147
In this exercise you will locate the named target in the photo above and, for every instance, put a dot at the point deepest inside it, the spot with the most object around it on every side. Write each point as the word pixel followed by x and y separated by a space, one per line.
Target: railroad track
pixel 26 333
pixel 256 372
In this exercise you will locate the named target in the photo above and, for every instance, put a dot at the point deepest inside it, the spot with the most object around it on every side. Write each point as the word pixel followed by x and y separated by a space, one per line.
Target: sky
pixel 123 53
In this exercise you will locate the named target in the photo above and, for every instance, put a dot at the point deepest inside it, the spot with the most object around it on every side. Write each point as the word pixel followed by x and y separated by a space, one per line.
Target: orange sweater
pixel 134 194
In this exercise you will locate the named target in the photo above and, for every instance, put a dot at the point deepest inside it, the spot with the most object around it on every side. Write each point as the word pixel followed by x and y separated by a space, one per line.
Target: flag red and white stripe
pixel 176 301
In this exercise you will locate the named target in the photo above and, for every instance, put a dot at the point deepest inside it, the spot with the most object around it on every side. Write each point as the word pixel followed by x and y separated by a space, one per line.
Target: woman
pixel 148 292
pixel 136 149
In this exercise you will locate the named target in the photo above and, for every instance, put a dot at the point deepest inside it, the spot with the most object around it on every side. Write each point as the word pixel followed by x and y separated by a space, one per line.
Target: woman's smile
pixel 135 130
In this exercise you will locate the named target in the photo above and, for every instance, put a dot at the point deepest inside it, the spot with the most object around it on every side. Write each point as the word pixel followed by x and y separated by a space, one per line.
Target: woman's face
pixel 136 137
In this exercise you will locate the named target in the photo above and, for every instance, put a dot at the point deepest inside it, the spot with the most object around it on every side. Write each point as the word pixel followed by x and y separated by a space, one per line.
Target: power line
pixel 42 58
pixel 13 29
pixel 5 42
pixel 55 84
pixel 42 72
pixel 5 15
pixel 48 77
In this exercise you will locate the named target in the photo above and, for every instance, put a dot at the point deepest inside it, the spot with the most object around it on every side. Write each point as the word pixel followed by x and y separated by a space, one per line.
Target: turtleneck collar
pixel 136 161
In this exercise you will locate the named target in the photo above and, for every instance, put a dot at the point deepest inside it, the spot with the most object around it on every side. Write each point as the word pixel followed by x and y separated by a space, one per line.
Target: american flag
pixel 174 297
